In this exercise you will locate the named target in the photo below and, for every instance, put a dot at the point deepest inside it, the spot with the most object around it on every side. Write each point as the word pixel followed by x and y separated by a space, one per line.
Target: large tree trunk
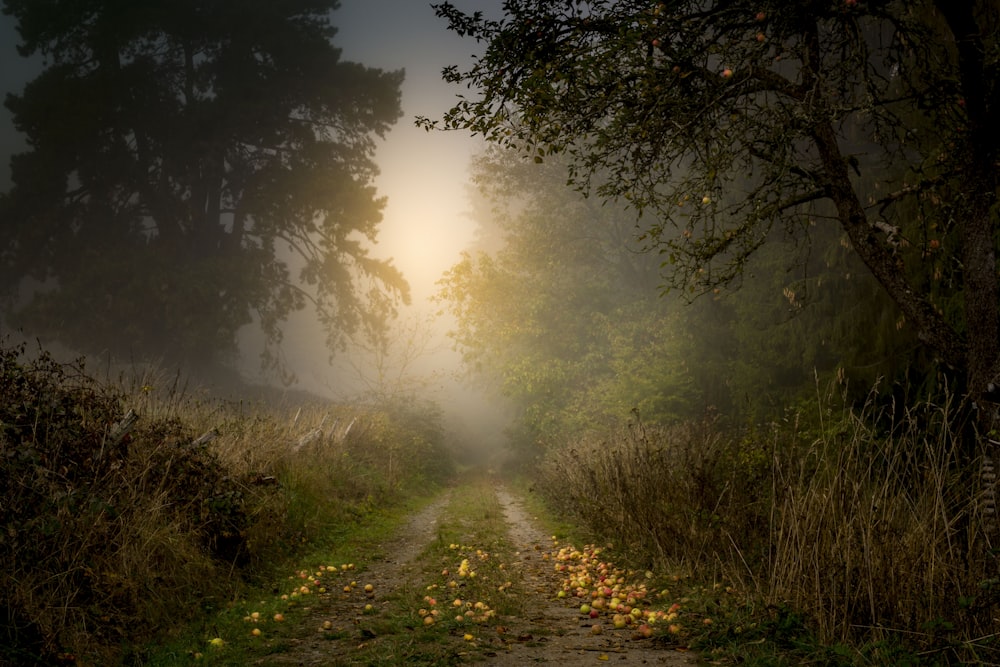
pixel 979 155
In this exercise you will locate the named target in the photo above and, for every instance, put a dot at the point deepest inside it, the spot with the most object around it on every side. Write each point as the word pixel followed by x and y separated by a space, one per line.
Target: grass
pixel 115 535
pixel 470 529
pixel 354 545
pixel 856 541
pixel 856 538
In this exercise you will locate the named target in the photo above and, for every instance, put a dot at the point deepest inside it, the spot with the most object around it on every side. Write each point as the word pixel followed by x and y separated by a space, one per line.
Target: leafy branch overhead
pixel 194 168
pixel 731 124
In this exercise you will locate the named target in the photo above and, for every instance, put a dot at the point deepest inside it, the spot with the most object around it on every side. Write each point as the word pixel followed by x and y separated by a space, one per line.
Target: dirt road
pixel 529 625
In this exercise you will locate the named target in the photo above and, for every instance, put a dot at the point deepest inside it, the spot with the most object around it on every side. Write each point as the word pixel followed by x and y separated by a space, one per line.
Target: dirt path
pixel 550 630
pixel 564 637
pixel 389 570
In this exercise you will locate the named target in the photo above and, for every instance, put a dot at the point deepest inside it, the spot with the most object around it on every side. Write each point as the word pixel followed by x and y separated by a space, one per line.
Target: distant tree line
pixel 559 309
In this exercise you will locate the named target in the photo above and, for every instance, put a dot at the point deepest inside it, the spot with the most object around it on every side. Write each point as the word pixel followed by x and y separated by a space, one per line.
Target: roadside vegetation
pixel 130 509
pixel 734 277
pixel 757 338
pixel 209 531
pixel 839 537
pixel 792 441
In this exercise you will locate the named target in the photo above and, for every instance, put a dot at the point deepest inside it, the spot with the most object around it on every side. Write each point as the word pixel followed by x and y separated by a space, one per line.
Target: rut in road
pixel 390 569
pixel 564 635
pixel 545 630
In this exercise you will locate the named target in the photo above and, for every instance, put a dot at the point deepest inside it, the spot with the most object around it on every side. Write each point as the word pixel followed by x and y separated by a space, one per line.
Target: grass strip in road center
pixel 460 590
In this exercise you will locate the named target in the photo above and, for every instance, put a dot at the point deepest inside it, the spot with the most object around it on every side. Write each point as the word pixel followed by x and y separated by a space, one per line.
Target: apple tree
pixel 193 167
pixel 556 309
pixel 732 123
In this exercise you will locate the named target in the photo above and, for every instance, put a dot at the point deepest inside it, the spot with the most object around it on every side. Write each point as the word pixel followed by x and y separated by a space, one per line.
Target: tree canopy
pixel 194 167
pixel 557 309
pixel 725 122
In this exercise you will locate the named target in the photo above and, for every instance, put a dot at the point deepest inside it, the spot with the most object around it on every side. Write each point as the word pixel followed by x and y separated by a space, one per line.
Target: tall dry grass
pixel 110 536
pixel 878 532
pixel 867 522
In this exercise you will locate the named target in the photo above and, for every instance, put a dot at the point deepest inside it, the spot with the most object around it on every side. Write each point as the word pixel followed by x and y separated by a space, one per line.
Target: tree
pixel 194 167
pixel 386 366
pixel 558 310
pixel 563 318
pixel 729 120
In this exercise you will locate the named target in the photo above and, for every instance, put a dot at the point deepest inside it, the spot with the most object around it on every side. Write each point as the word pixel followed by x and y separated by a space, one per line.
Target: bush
pixel 116 527
pixel 97 523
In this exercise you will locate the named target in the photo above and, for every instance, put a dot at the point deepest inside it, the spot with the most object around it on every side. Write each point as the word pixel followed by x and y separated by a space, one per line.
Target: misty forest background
pixel 734 284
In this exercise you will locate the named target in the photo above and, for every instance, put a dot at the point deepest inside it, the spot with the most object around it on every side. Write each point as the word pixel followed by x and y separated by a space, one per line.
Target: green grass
pixel 553 524
pixel 143 511
pixel 355 543
pixel 471 528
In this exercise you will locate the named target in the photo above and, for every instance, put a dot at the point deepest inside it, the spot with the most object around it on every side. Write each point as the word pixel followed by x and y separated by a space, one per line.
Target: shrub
pixel 118 526
pixel 96 523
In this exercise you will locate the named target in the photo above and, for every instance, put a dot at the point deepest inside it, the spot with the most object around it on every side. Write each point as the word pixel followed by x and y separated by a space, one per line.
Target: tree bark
pixel 930 325
pixel 981 152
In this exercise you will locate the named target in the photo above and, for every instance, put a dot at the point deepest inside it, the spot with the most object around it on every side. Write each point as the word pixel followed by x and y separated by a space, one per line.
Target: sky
pixel 423 175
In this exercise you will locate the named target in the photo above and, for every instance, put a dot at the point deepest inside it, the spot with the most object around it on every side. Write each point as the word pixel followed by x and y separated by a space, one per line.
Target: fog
pixel 425 226
pixel 248 237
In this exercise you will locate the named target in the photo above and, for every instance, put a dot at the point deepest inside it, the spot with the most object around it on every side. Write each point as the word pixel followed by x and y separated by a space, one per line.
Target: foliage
pixel 73 490
pixel 194 168
pixel 563 318
pixel 561 315
pixel 728 121
pixel 863 536
pixel 113 534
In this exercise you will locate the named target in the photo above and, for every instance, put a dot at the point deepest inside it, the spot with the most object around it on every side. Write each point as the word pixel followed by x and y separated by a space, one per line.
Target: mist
pixel 424 227
pixel 314 290
pixel 437 268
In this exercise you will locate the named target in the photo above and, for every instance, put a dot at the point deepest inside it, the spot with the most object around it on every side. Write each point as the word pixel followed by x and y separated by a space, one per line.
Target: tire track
pixel 388 570
pixel 553 631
